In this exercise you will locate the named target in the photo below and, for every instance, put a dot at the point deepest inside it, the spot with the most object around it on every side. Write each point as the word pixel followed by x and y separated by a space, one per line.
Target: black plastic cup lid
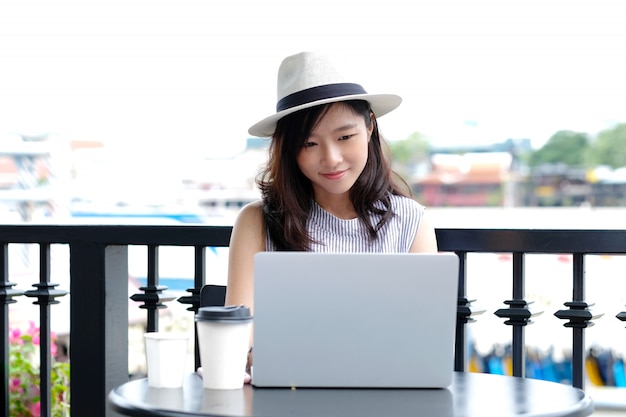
pixel 224 313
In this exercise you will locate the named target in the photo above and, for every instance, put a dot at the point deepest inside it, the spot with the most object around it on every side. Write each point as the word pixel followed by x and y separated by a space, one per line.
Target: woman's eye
pixel 309 144
pixel 345 137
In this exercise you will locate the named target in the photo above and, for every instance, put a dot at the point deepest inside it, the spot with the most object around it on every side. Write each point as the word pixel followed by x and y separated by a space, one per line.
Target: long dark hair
pixel 288 194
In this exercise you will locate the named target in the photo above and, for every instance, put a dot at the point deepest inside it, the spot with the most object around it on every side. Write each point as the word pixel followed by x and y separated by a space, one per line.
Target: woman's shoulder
pixel 250 213
pixel 248 230
pixel 401 202
pixel 256 205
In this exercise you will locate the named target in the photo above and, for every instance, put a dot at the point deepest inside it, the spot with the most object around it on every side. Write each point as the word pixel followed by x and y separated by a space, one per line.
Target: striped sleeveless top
pixel 340 235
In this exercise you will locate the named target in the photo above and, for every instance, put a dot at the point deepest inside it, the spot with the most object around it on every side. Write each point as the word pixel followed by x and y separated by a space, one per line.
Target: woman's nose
pixel 331 155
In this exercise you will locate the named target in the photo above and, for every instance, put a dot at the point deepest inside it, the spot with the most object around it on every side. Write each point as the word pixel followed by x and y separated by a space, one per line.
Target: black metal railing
pixel 98 292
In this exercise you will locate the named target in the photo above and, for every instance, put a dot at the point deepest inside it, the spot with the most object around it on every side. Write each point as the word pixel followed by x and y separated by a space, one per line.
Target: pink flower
pixel 16 386
pixel 35 390
pixel 32 329
pixel 24 375
pixel 15 337
pixel 35 409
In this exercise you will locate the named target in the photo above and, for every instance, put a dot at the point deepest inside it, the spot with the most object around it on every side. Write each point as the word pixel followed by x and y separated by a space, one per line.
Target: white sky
pixel 191 76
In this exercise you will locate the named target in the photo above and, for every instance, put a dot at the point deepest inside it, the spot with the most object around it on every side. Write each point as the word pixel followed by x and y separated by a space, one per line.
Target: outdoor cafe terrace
pixel 99 302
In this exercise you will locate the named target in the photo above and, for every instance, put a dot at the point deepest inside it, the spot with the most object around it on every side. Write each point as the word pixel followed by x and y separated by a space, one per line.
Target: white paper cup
pixel 225 402
pixel 166 355
pixel 223 338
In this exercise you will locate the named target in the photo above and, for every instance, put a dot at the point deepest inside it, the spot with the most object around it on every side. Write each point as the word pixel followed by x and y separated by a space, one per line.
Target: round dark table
pixel 471 394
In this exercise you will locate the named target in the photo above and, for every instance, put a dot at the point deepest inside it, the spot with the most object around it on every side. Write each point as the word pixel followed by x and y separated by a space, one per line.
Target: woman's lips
pixel 334 175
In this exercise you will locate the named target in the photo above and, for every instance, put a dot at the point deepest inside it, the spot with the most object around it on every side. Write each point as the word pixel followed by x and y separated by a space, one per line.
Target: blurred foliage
pixel 24 376
pixel 577 149
pixel 609 148
pixel 409 153
pixel 564 147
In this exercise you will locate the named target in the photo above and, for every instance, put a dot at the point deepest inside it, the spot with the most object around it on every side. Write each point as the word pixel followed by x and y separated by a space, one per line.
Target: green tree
pixel 609 148
pixel 564 147
pixel 410 153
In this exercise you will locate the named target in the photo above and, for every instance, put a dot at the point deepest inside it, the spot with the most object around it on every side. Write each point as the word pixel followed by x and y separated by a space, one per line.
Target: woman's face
pixel 335 154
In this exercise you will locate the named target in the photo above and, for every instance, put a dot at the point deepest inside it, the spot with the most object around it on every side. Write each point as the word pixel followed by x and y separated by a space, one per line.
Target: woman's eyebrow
pixel 345 127
pixel 338 129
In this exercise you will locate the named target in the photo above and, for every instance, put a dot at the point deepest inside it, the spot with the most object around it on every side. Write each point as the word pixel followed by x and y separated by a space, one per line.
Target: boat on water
pixel 148 214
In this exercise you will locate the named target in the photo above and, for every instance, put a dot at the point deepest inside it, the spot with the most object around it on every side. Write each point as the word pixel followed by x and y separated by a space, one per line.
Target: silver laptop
pixel 354 320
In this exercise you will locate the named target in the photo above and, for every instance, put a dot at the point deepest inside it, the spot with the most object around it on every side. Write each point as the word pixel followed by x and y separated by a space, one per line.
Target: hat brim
pixel 381 104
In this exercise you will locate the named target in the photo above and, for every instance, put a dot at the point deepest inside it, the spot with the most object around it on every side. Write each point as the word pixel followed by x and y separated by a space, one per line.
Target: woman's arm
pixel 425 238
pixel 248 238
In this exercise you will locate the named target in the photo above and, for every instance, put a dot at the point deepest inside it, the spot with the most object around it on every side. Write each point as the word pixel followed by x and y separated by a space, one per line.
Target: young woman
pixel 328 185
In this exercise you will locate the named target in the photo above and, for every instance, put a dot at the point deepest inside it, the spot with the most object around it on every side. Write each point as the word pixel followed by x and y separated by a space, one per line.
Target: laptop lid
pixel 354 319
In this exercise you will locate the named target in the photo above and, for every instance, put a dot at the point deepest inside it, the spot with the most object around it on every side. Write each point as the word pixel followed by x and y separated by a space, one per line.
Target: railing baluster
pixel 580 317
pixel 199 275
pixel 6 297
pixel 519 293
pixel 464 314
pixel 45 367
pixel 518 314
pixel 153 292
pixel 578 333
pixel 45 293
pixel 199 280
pixel 153 286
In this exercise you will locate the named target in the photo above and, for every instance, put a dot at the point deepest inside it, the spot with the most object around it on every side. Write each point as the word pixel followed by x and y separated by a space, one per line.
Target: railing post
pixel 98 325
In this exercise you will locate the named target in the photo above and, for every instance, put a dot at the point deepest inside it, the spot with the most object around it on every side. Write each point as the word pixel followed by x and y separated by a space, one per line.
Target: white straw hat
pixel 308 79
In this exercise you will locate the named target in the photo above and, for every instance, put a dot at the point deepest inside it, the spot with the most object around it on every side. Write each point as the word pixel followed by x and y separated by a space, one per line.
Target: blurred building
pixel 473 176
pixel 559 185
pixel 469 179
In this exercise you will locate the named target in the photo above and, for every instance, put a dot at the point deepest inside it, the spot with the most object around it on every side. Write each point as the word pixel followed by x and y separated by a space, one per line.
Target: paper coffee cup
pixel 166 354
pixel 223 338
pixel 225 402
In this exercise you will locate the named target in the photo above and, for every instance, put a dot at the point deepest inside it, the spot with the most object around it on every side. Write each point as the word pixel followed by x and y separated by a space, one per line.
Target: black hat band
pixel 321 92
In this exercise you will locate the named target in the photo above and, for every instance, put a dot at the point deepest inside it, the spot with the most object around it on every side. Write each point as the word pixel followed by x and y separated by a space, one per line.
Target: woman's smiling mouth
pixel 334 175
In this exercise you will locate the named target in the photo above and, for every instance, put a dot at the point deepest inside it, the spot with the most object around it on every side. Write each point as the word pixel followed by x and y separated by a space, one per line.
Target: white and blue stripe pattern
pixel 338 235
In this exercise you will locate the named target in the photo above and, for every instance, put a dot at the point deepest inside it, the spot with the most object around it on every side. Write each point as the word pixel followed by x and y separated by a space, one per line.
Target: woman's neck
pixel 339 206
